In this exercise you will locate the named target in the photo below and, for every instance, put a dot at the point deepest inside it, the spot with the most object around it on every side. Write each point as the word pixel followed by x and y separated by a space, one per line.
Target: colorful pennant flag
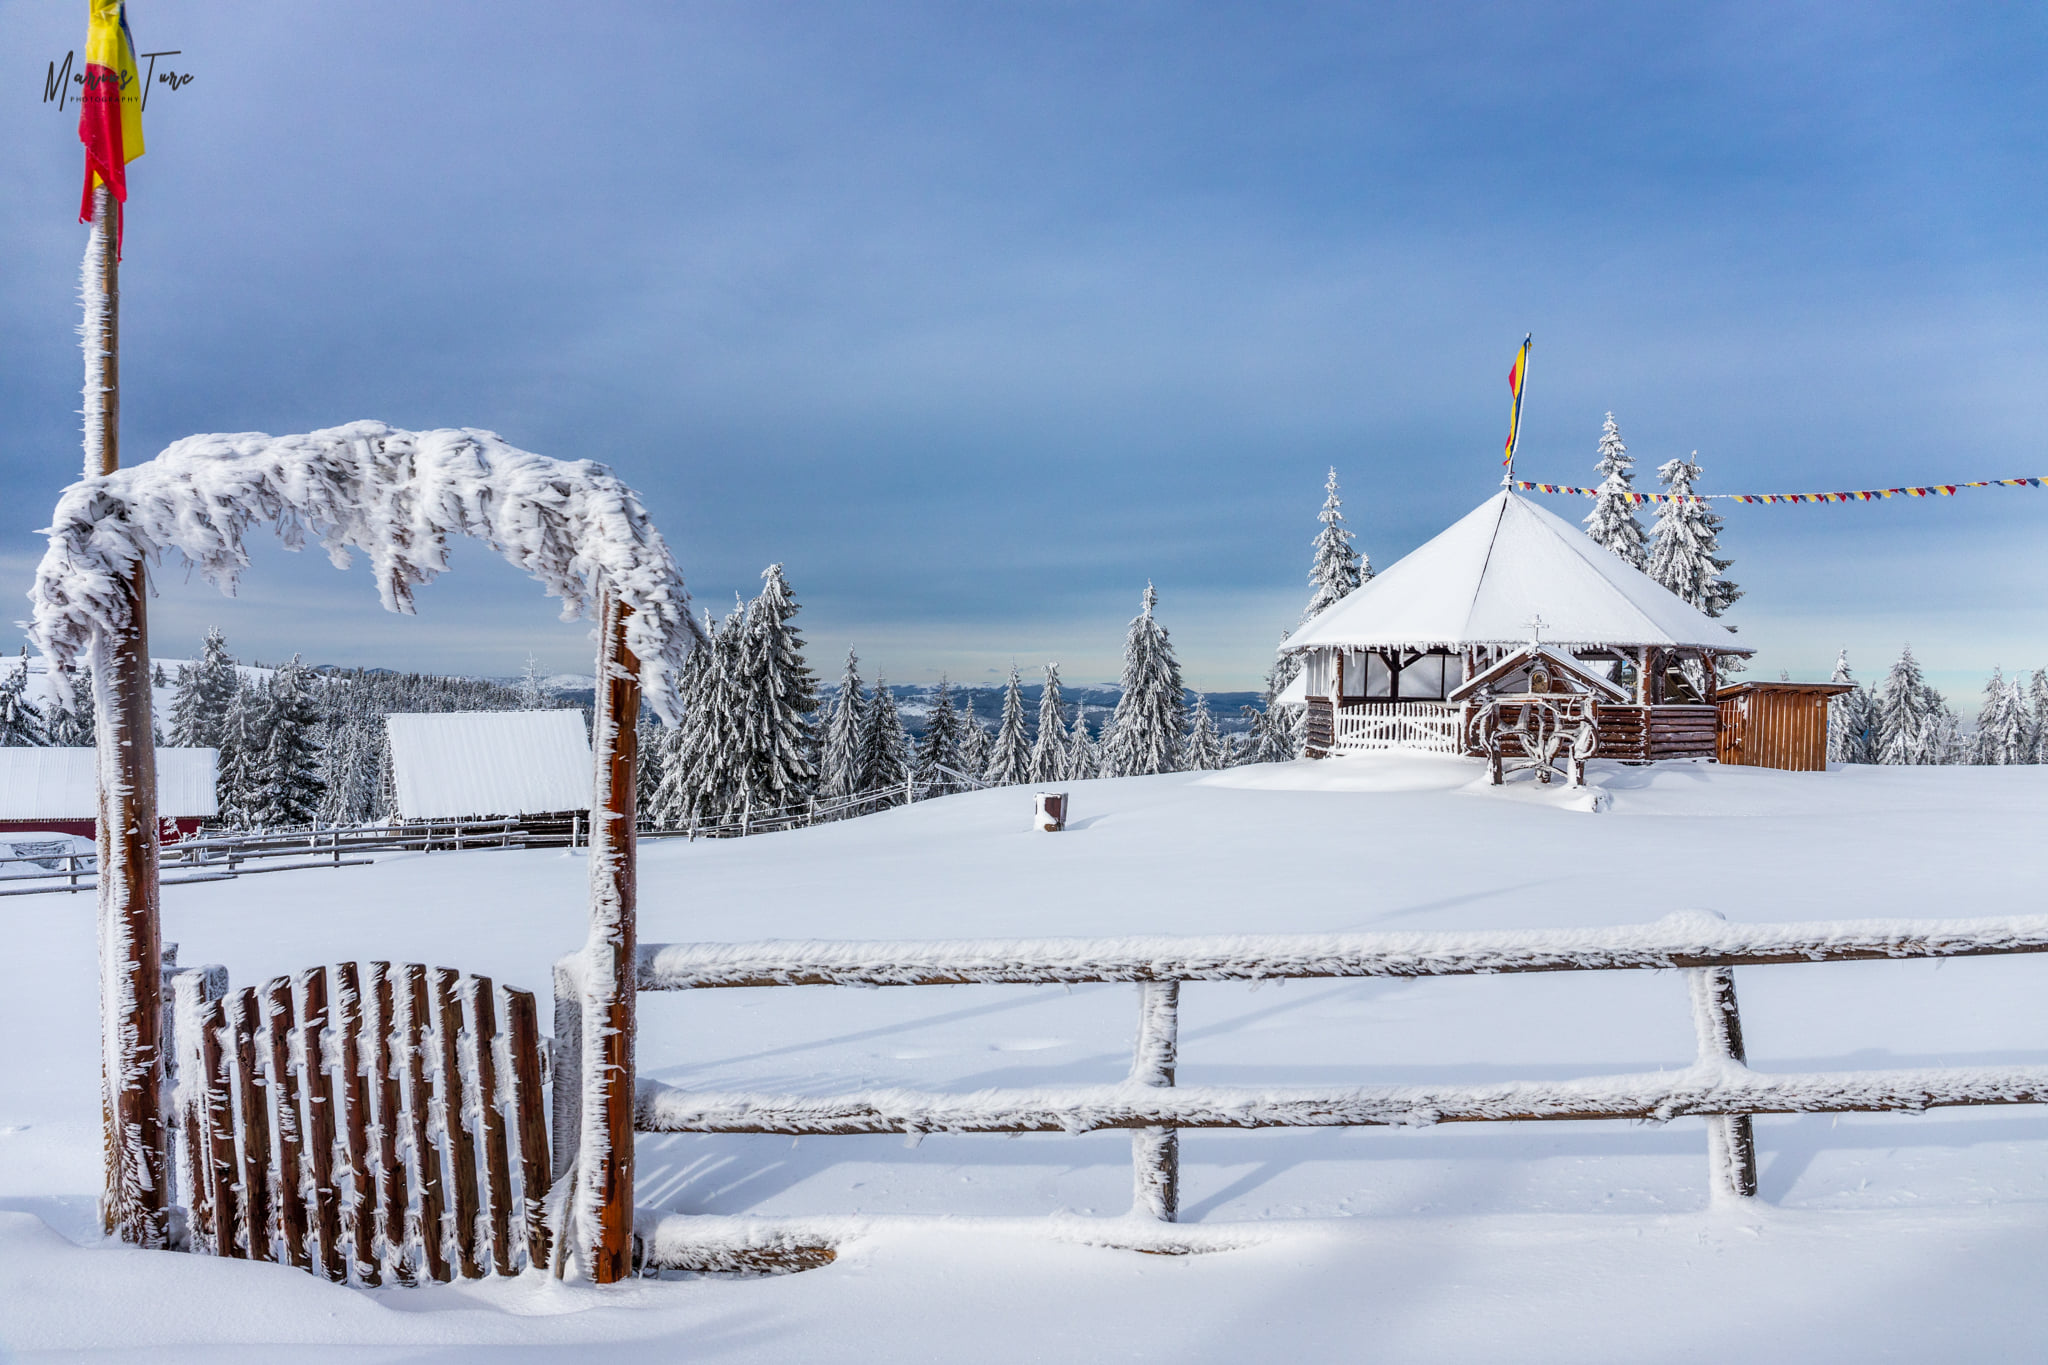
pixel 1518 374
pixel 110 107
pixel 1935 490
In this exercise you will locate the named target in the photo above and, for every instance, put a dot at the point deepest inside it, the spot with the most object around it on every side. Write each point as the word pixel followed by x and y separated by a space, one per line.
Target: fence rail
pixel 1718 1087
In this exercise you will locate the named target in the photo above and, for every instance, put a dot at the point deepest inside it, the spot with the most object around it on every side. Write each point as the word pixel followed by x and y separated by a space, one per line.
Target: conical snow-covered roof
pixel 1480 581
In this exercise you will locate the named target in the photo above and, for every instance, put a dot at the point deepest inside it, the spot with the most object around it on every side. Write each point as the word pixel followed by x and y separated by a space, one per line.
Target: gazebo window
pixel 1423 680
pixel 1378 679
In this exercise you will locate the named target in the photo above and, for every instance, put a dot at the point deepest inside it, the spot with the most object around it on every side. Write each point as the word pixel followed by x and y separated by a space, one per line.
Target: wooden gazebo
pixel 1389 665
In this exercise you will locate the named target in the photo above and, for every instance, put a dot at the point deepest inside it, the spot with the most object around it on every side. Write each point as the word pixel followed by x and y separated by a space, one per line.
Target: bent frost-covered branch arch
pixel 394 495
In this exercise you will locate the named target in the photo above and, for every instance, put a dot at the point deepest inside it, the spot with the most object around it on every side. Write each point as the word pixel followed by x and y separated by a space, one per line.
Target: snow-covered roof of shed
pixel 63 784
pixel 1481 580
pixel 458 765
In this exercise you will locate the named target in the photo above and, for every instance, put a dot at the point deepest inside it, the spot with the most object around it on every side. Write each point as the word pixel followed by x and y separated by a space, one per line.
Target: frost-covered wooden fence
pixel 393 1132
pixel 1429 726
pixel 1719 1087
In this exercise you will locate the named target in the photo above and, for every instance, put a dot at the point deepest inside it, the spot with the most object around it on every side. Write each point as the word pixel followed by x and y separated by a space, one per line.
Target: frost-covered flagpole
pixel 134 1204
pixel 604 1178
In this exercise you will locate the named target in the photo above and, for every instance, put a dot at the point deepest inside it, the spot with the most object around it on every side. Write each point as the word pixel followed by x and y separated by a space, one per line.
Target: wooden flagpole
pixel 135 1204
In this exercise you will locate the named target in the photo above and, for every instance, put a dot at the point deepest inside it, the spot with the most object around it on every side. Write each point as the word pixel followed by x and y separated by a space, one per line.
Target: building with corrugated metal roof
pixel 57 790
pixel 474 765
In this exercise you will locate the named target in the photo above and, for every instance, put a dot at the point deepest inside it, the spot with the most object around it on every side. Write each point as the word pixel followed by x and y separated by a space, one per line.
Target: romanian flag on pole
pixel 110 107
pixel 1518 375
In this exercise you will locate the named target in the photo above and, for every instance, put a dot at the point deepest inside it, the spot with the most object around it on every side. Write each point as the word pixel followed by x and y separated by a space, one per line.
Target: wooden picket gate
pixel 399 1137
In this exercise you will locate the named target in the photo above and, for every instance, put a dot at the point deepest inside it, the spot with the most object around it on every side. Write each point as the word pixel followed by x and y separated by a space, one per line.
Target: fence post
pixel 1731 1139
pixel 603 1217
pixel 1155 1152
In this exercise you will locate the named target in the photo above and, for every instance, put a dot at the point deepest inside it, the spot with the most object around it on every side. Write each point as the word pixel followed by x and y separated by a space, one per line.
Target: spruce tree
pixel 1152 713
pixel 884 747
pixel 1908 728
pixel 2002 729
pixel 842 768
pixel 206 689
pixel 779 694
pixel 2037 716
pixel 1009 761
pixel 975 747
pixel 21 724
pixel 1049 753
pixel 1852 719
pixel 1684 555
pixel 1205 749
pixel 238 782
pixel 1612 522
pixel 1338 568
pixel 76 725
pixel 287 763
pixel 532 696
pixel 1082 760
pixel 938 748
pixel 717 779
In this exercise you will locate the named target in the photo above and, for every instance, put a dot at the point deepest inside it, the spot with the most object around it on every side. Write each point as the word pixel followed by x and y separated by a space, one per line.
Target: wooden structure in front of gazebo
pixel 1777 724
pixel 1395 664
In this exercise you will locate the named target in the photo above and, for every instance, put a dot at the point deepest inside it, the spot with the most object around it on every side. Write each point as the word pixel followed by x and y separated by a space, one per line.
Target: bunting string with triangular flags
pixel 1932 490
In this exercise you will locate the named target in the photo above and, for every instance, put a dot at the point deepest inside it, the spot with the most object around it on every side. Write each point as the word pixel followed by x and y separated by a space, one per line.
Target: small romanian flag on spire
pixel 1518 374
pixel 110 107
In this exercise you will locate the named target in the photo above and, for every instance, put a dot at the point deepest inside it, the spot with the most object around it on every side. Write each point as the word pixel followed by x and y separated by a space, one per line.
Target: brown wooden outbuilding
pixel 1776 724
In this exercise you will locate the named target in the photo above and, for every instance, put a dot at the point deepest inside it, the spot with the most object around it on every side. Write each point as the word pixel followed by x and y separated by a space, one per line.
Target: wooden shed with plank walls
pixel 1776 724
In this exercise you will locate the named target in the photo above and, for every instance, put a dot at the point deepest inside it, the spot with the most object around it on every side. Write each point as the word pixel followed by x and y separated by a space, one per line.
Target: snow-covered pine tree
pixel 238 780
pixel 287 766
pixel 1907 726
pixel 76 724
pixel 779 694
pixel 1947 745
pixel 350 759
pixel 1009 760
pixel 1337 568
pixel 1684 554
pixel 717 777
pixel 843 730
pixel 669 804
pixel 1852 719
pixel 975 745
pixel 1152 713
pixel 2002 729
pixel 206 689
pixel 532 696
pixel 1612 522
pixel 21 724
pixel 938 748
pixel 1204 749
pixel 1049 753
pixel 2037 716
pixel 884 747
pixel 1082 762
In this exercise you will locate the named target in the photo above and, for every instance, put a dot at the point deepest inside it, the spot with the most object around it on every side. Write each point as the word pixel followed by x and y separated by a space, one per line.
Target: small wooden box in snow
pixel 1052 812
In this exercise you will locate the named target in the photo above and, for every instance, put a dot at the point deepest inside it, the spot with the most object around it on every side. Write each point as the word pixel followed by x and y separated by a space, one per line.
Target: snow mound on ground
pixel 1400 770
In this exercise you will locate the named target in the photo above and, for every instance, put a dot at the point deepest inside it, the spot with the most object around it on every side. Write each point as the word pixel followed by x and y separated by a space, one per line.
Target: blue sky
pixel 977 316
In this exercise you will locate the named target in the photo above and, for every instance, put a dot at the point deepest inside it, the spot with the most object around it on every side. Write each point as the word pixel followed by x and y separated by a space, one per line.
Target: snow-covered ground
pixel 1875 1237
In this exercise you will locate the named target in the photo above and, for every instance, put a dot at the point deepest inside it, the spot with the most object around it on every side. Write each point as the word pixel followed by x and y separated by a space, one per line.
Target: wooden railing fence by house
pixel 1718 1087
pixel 1635 734
pixel 395 1133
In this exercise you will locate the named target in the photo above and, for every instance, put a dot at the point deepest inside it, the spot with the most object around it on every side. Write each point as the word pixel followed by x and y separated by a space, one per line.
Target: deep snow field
pixel 1876 1237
